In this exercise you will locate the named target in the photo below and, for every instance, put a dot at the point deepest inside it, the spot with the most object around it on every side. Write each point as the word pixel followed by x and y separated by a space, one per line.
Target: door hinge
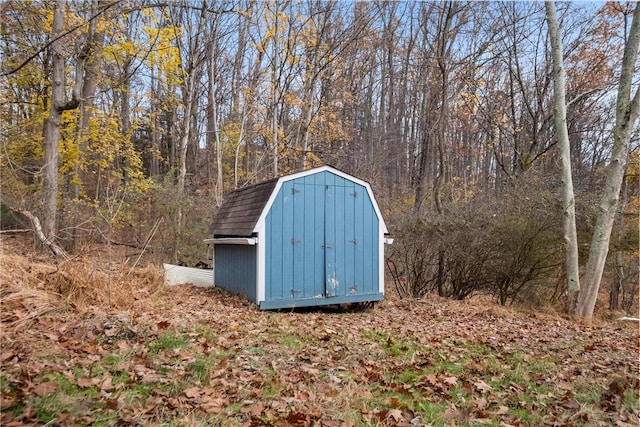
pixel 294 190
pixel 354 194
pixel 327 245
pixel 294 241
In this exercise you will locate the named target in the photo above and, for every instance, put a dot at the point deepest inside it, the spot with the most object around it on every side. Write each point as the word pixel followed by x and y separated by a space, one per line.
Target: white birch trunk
pixel 626 114
pixel 564 148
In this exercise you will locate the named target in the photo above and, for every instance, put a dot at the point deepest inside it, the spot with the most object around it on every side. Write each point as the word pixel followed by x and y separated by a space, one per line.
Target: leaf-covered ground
pixel 189 356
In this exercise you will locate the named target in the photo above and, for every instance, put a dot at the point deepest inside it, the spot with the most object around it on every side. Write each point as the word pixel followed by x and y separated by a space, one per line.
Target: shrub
pixel 506 249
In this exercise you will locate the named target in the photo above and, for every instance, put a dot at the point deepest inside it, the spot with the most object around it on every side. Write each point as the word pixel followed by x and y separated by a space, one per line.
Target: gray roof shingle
pixel 241 209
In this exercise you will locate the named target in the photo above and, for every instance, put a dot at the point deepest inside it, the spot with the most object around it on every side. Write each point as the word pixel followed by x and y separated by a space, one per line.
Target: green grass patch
pixel 168 342
pixel 292 342
pixel 631 399
pixel 198 371
pixel 431 412
pixel 459 376
pixel 589 395
pixel 139 392
pixel 393 346
pixel 270 390
pixel 256 351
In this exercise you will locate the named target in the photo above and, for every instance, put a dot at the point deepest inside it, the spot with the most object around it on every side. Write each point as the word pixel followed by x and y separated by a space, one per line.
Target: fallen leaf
pixel 452 381
pixel 164 324
pixel 44 389
pixel 213 405
pixel 501 410
pixel 395 414
pixel 480 403
pixel 192 392
pixel 6 355
pixel 106 383
pixel 297 418
pixel 6 401
pixel 394 402
pixel 482 386
pixel 111 332
pixel 254 410
pixel 311 371
pixel 87 382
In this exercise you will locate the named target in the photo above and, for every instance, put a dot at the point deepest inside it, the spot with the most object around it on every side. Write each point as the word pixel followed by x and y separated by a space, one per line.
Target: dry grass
pixel 31 287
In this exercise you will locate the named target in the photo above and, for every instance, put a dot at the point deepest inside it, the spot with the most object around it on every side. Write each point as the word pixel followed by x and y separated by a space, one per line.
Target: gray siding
pixel 235 269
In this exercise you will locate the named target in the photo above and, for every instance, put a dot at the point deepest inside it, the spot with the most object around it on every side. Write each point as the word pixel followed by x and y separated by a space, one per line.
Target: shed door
pixel 331 246
pixel 339 237
pixel 319 243
pixel 308 258
pixel 318 249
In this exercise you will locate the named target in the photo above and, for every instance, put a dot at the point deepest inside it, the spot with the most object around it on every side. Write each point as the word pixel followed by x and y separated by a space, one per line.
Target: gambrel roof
pixel 244 208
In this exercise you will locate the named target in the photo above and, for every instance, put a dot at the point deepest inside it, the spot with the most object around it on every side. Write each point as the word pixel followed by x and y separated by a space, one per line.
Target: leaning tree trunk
pixel 564 147
pixel 626 114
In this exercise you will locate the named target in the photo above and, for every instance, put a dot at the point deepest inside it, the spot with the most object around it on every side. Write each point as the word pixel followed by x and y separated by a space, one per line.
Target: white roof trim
pixel 281 180
pixel 232 241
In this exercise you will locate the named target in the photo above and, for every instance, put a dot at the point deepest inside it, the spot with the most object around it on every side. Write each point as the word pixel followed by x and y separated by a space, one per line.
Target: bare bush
pixel 505 250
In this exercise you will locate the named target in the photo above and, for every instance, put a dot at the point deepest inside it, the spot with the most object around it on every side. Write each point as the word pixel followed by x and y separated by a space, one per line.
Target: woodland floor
pixel 89 343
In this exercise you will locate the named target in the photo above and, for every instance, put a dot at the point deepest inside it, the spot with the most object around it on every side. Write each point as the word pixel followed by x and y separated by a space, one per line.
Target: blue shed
pixel 312 238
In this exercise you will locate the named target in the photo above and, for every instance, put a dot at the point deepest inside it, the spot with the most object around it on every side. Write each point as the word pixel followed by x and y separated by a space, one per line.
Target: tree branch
pixel 50 42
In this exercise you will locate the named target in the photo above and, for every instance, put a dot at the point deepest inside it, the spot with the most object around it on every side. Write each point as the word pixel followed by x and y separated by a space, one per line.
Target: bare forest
pixel 500 139
pixel 127 122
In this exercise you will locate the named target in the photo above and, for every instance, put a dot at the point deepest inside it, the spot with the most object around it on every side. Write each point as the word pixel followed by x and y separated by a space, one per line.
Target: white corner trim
pixel 261 269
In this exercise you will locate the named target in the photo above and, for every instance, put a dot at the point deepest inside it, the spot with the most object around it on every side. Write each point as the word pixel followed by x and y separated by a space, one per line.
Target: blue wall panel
pixel 235 269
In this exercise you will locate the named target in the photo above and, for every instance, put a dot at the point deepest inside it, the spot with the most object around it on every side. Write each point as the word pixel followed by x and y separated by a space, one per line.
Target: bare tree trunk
pixel 275 89
pixel 52 127
pixel 95 40
pixel 213 134
pixel 562 134
pixel 618 282
pixel 307 115
pixel 627 109
pixel 436 103
pixel 189 77
pixel 617 285
pixel 154 166
pixel 240 144
pixel 182 171
pixel 52 123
